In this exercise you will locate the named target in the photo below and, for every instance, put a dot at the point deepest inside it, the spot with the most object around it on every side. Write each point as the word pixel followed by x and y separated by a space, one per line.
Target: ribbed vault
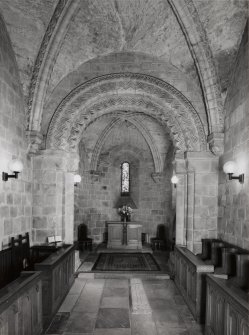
pixel 190 25
pixel 142 129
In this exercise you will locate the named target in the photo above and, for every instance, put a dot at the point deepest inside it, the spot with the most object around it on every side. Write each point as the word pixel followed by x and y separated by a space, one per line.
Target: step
pixel 128 275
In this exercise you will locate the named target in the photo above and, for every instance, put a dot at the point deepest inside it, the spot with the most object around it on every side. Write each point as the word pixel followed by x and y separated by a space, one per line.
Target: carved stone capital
pixel 157 177
pixel 216 143
pixel 35 139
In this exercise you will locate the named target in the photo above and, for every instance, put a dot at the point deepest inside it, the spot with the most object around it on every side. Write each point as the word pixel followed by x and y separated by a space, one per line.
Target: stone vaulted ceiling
pixel 190 44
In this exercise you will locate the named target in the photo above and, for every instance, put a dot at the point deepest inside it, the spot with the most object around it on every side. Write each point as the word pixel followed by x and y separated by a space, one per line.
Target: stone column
pixel 180 199
pixel 53 194
pixel 202 198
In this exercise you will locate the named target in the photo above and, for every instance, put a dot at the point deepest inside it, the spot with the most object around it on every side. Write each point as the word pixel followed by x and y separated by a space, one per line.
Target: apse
pixel 107 143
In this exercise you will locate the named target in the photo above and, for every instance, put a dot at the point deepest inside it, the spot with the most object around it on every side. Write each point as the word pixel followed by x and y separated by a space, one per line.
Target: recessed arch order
pixel 128 92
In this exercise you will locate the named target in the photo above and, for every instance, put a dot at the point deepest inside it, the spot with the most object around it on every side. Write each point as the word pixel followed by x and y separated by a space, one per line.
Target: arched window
pixel 125 178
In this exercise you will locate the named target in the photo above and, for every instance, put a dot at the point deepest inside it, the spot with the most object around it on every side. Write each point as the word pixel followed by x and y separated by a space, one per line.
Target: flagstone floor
pixel 111 307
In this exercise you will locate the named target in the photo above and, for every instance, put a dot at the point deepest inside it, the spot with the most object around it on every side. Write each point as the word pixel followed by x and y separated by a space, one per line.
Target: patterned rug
pixel 126 262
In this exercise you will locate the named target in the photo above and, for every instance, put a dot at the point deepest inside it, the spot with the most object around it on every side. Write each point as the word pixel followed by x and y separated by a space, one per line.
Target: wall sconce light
pixel 77 179
pixel 229 168
pixel 16 167
pixel 174 180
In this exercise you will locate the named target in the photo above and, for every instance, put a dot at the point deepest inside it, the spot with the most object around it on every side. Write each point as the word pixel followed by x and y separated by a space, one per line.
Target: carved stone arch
pixel 199 47
pixel 183 134
pixel 142 129
pixel 110 107
pixel 139 92
pixel 45 60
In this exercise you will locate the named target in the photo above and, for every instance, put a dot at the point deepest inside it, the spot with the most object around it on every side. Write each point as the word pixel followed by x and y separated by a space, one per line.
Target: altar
pixel 125 235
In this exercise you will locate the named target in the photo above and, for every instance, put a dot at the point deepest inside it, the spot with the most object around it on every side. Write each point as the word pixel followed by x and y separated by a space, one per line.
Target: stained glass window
pixel 125 178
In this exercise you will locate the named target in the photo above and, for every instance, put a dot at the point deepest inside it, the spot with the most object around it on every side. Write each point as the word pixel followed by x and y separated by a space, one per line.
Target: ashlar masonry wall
pixel 97 195
pixel 233 221
pixel 15 195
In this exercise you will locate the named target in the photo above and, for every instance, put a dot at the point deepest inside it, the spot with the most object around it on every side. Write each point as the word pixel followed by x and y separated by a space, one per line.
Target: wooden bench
pixel 15 259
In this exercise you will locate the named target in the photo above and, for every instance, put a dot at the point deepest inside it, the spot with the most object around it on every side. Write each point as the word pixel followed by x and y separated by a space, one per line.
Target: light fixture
pixel 77 179
pixel 229 168
pixel 174 180
pixel 16 167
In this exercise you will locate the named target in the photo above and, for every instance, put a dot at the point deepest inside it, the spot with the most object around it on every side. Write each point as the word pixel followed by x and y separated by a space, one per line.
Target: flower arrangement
pixel 125 212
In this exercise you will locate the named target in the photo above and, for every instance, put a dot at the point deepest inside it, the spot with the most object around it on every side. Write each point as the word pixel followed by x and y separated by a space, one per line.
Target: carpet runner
pixel 126 262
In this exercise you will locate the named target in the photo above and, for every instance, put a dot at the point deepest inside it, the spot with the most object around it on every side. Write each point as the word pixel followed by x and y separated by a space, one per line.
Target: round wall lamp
pixel 16 167
pixel 77 179
pixel 229 168
pixel 174 180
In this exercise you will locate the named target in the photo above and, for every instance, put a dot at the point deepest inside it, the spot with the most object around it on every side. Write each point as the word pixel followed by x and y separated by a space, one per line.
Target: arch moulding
pixel 126 92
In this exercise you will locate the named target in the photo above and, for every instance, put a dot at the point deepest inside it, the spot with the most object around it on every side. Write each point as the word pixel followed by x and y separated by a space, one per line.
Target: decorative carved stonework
pixel 199 46
pixel 216 143
pixel 157 177
pixel 95 175
pixel 35 139
pixel 40 57
pixel 126 91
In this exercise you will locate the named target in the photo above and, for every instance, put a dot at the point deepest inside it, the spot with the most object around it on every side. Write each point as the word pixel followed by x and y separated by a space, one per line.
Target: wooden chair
pixel 84 242
pixel 158 242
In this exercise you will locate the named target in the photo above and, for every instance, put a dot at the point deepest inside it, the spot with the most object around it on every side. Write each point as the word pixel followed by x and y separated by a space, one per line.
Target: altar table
pixel 125 235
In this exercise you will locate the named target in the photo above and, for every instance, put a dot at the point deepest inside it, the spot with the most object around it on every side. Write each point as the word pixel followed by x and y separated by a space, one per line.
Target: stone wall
pixel 15 195
pixel 233 222
pixel 97 196
pixel 196 198
pixel 53 200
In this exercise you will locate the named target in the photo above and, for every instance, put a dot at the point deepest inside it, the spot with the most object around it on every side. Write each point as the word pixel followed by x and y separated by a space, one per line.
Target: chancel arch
pixel 126 91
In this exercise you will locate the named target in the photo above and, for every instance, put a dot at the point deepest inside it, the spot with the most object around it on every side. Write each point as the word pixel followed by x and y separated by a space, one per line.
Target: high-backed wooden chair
pixel 159 242
pixel 84 242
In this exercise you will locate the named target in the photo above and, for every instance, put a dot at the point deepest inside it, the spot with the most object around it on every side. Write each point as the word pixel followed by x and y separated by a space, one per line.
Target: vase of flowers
pixel 125 213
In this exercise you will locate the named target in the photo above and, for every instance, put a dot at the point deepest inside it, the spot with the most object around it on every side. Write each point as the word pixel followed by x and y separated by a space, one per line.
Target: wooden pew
pixel 15 259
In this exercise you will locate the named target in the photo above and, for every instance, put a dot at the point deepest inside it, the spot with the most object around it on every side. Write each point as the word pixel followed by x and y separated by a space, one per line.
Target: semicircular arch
pixel 139 92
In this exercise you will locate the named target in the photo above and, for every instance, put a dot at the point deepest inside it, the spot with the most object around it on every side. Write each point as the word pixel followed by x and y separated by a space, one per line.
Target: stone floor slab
pixel 160 303
pixel 81 322
pixel 69 303
pixel 172 331
pixel 87 304
pixel 142 325
pixel 115 302
pixel 113 318
pixel 167 315
pixel 102 308
pixel 77 286
pixel 117 283
pixel 58 324
pixel 85 275
pixel 116 331
pixel 116 292
pixel 139 300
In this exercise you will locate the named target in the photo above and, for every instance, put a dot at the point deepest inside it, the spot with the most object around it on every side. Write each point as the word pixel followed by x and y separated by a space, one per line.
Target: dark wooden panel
pixel 57 278
pixel 21 305
pixel 189 277
pixel 227 308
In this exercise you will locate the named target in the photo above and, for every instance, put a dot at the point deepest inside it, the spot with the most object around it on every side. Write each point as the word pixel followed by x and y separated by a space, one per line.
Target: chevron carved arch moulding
pixel 126 92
